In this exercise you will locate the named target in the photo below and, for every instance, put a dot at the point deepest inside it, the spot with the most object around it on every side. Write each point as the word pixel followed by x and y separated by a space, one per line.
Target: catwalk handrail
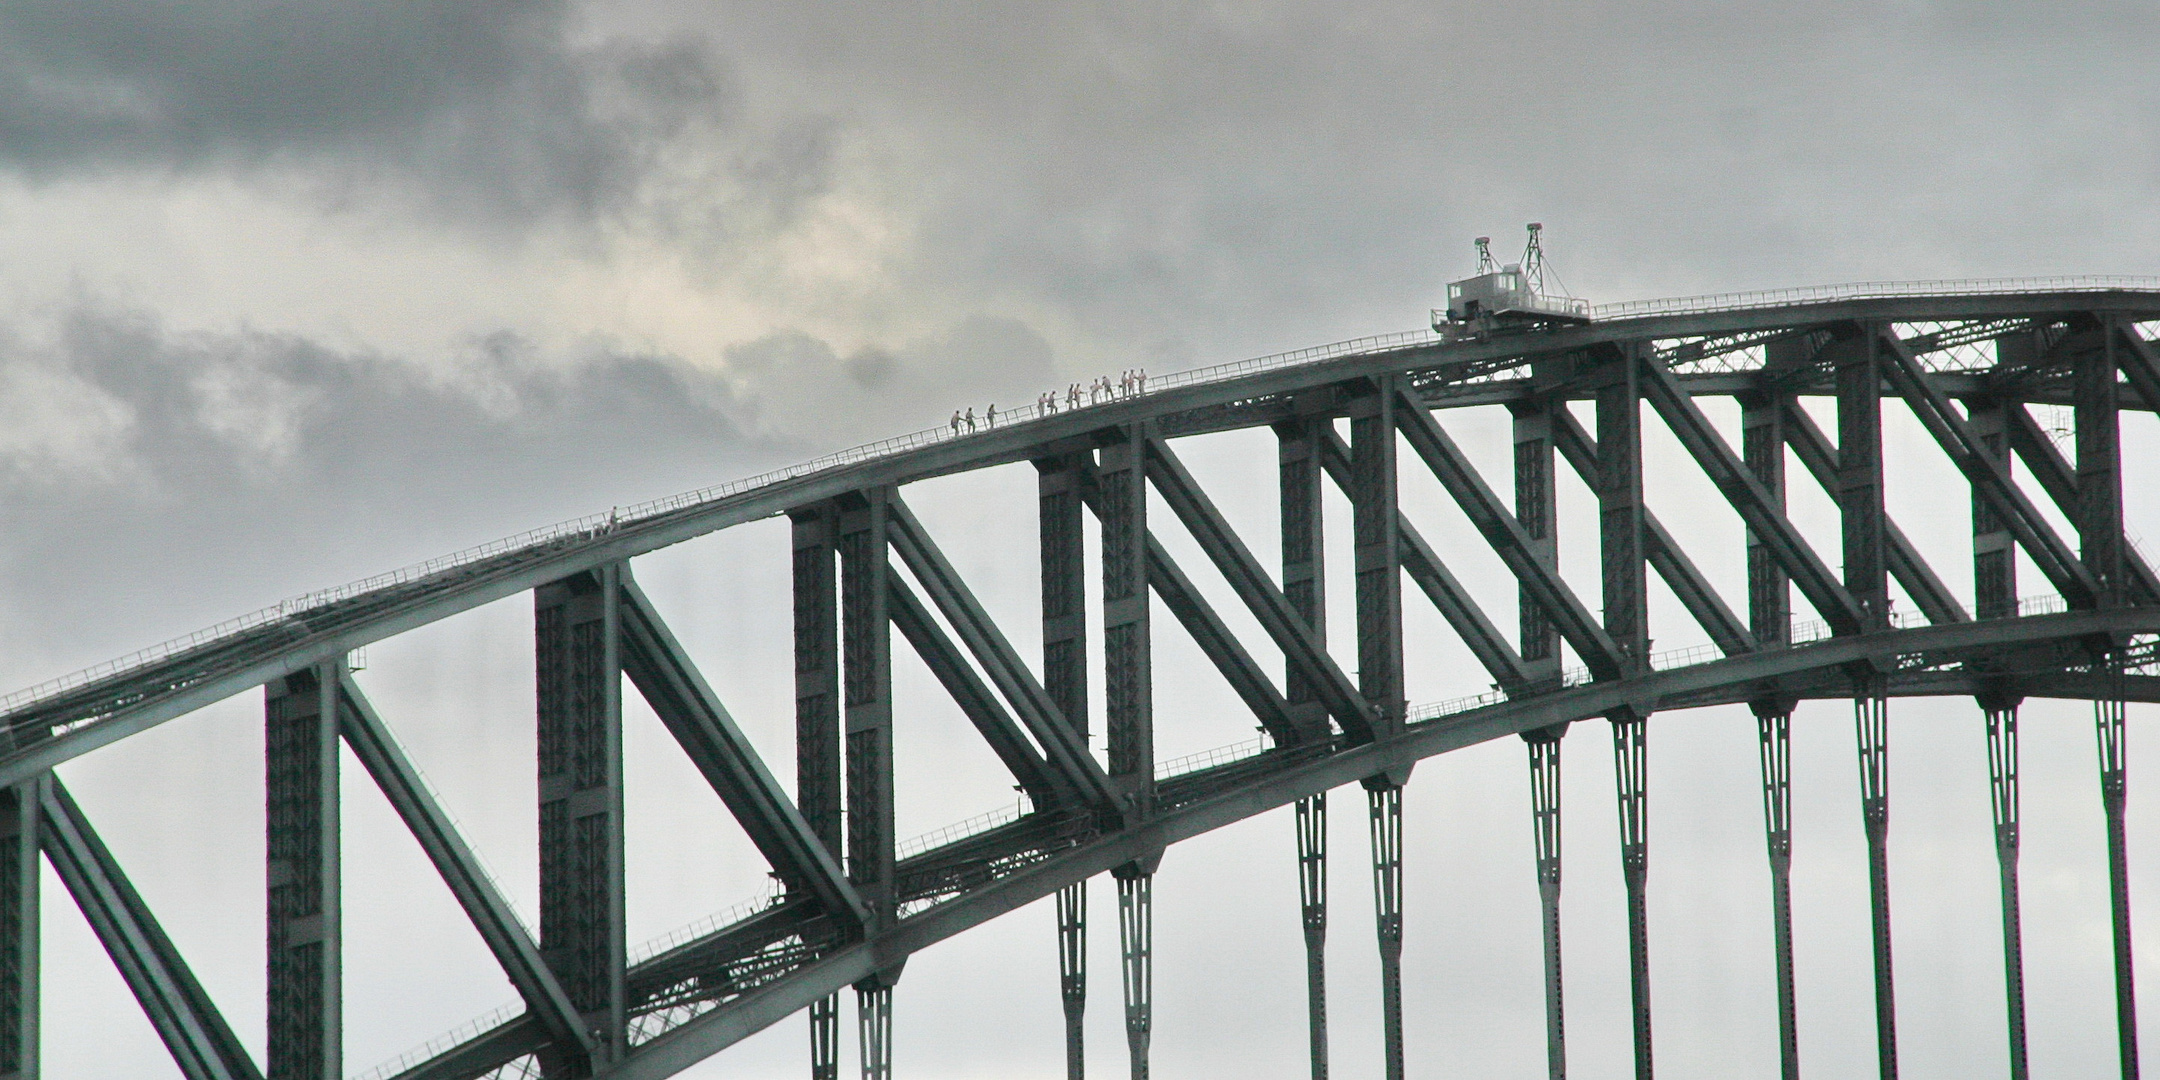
pixel 596 525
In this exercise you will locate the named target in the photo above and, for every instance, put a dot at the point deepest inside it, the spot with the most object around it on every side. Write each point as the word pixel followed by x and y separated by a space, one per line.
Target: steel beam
pixel 1537 508
pixel 690 710
pixel 1544 747
pixel 2002 746
pixel 1447 594
pixel 1508 540
pixel 304 986
pixel 1773 720
pixel 1136 945
pixel 1384 816
pixel 1688 583
pixel 2054 558
pixel 873 1026
pixel 2098 517
pixel 1227 653
pixel 1128 664
pixel 201 1043
pixel 1061 487
pixel 1871 720
pixel 866 682
pixel 577 637
pixel 1859 492
pixel 1762 449
pixel 1261 597
pixel 766 1005
pixel 825 1038
pixel 2056 476
pixel 976 701
pixel 2114 791
pixel 1994 424
pixel 19 937
pixel 1312 917
pixel 1762 514
pixel 1912 572
pixel 1377 559
pixel 1301 463
pixel 1619 489
pixel 1631 771
pixel 1080 781
pixel 490 913
pixel 815 536
pixel 1300 471
pixel 1072 974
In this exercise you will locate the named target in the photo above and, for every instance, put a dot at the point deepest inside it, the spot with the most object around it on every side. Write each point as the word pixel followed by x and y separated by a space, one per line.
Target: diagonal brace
pixel 491 915
pixel 202 1044
pixel 1066 751
pixel 686 704
pixel 2059 480
pixel 1230 556
pixel 1988 477
pixel 1447 594
pixel 1912 572
pixel 1213 636
pixel 1754 503
pixel 1506 536
pixel 1680 573
pixel 982 707
pixel 1223 648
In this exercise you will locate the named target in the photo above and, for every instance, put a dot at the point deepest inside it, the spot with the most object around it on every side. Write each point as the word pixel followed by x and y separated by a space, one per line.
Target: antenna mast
pixel 1485 263
pixel 1533 260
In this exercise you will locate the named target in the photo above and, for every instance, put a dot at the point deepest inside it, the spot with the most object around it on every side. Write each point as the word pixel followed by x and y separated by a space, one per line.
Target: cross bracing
pixel 1966 360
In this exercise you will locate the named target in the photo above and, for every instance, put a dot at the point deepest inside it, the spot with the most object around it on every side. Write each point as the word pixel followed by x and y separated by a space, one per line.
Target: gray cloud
pixel 490 113
pixel 239 467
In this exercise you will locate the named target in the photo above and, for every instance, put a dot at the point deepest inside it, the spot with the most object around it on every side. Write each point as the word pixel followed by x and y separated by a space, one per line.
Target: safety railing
pixel 1871 290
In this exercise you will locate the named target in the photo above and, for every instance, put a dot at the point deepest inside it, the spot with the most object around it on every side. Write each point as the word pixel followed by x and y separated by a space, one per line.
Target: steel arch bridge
pixel 1967 359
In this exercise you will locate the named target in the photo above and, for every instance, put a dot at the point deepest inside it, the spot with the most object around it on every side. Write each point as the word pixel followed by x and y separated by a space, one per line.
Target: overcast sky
pixel 297 293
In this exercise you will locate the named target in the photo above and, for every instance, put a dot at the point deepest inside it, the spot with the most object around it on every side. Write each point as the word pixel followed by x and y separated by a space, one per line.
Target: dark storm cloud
pixel 240 467
pixel 488 110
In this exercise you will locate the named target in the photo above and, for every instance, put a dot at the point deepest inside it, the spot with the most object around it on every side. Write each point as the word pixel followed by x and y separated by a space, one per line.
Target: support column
pixel 1136 941
pixel 1763 435
pixel 1384 813
pixel 2002 746
pixel 300 816
pixel 1128 673
pixel 1994 548
pixel 873 1030
pixel 1861 514
pixel 825 1038
pixel 1627 622
pixel 866 680
pixel 1537 508
pixel 1072 974
pixel 1312 908
pixel 1305 587
pixel 1773 721
pixel 2100 533
pixel 19 937
pixel 1064 616
pixel 817 726
pixel 578 671
pixel 2114 790
pixel 1378 561
pixel 1545 829
pixel 1871 721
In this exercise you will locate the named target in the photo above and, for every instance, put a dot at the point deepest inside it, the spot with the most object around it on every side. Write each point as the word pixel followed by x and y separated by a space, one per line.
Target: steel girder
pixel 485 907
pixel 201 1042
pixel 307 641
pixel 63 725
pixel 692 713
pixel 1295 778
